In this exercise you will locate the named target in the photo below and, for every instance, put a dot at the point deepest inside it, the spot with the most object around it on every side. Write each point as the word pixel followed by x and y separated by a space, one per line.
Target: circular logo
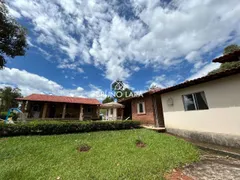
pixel 117 85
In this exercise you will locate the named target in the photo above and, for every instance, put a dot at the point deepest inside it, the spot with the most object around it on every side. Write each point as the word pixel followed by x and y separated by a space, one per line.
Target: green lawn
pixel 113 155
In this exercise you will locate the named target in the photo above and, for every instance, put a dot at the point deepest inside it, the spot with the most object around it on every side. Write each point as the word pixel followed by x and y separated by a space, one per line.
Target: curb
pixel 218 151
pixel 211 149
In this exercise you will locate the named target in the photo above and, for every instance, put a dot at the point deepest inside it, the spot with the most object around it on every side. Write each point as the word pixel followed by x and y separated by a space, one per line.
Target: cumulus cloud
pixel 115 36
pixel 31 83
pixel 204 71
pixel 65 65
pixel 161 81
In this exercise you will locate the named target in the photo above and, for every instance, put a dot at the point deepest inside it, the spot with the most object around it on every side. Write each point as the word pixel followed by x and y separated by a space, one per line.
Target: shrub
pixel 48 128
pixel 12 114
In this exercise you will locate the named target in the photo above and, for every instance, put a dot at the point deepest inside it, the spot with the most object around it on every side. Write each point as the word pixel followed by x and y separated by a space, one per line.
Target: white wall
pixel 223 115
pixel 112 116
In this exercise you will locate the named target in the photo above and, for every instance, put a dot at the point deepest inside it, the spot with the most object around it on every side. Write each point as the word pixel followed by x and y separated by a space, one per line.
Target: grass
pixel 113 155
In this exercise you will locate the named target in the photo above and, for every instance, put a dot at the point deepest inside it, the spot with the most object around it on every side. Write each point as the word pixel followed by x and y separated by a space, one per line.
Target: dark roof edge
pixel 234 56
pixel 145 93
pixel 201 80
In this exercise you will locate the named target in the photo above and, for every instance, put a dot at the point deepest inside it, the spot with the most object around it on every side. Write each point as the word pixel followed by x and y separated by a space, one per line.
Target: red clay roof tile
pixel 63 99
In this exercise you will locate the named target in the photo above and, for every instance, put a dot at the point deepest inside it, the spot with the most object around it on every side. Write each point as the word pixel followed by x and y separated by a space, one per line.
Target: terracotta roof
pixel 235 56
pixel 63 99
pixel 201 80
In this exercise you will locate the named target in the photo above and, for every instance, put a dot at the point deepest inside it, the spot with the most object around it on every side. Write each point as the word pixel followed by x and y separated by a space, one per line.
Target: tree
pixel 152 87
pixel 227 65
pixel 108 99
pixel 230 49
pixel 12 36
pixel 125 93
pixel 120 90
pixel 8 97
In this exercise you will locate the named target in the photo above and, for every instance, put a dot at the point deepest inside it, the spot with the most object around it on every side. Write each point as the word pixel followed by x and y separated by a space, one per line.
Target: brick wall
pixel 148 117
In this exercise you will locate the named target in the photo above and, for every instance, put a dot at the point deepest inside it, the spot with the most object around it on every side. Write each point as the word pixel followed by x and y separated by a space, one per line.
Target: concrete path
pixel 214 167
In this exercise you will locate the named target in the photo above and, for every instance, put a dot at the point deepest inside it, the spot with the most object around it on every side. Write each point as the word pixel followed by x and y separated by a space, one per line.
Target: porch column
pixel 97 111
pixel 44 110
pixel 114 116
pixel 64 111
pixel 22 107
pixel 81 112
pixel 122 113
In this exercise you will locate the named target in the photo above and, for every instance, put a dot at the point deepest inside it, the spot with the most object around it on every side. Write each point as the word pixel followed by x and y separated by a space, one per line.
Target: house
pixel 205 109
pixel 59 107
pixel 146 108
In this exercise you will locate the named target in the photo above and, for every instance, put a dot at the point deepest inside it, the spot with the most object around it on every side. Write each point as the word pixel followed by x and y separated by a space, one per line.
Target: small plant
pixel 84 148
pixel 140 143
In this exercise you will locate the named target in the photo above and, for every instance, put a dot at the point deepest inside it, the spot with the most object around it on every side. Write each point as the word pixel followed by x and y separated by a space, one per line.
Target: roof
pixel 204 79
pixel 234 56
pixel 151 91
pixel 193 82
pixel 63 99
pixel 112 105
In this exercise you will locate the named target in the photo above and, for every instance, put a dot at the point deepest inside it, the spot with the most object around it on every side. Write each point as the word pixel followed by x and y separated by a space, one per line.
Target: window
pixel 111 111
pixel 89 109
pixel 36 107
pixel 140 108
pixel 195 101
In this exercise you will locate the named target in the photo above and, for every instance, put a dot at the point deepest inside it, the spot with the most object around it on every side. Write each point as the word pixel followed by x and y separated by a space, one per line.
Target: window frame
pixel 195 103
pixel 138 109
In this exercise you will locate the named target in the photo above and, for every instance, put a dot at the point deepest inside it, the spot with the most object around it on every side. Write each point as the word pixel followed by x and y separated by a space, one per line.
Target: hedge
pixel 49 128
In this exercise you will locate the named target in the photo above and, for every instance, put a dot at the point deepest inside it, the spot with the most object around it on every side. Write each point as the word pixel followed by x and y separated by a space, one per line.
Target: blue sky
pixel 78 47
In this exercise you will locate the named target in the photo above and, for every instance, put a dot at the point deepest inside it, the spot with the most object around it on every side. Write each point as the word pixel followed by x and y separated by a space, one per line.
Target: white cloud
pixel 13 13
pixel 161 81
pixel 205 70
pixel 31 83
pixel 65 65
pixel 159 35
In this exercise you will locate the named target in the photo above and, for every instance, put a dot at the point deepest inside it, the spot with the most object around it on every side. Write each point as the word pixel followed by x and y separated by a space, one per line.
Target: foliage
pixel 121 91
pixel 108 99
pixel 12 114
pixel 227 65
pixel 125 93
pixel 153 87
pixel 48 128
pixel 8 97
pixel 113 155
pixel 230 49
pixel 103 111
pixel 12 36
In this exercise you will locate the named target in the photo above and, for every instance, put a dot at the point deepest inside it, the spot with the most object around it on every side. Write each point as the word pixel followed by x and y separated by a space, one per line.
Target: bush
pixel 49 128
pixel 3 115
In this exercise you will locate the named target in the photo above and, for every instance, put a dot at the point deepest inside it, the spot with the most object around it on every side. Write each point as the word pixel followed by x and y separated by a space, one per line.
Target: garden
pixel 125 151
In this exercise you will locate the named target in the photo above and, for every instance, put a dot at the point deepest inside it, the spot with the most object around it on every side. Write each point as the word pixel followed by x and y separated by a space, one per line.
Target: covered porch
pixel 57 110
